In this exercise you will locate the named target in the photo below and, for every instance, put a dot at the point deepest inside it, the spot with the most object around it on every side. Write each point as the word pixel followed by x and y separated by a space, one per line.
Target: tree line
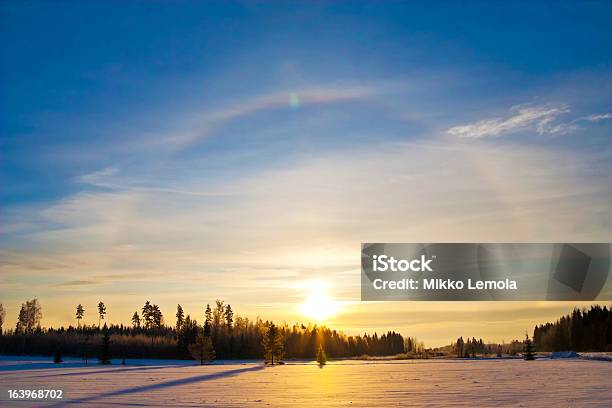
pixel 227 336
pixel 582 330
pixel 222 334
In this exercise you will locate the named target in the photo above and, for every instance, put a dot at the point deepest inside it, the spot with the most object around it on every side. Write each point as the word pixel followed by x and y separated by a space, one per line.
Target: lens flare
pixel 294 101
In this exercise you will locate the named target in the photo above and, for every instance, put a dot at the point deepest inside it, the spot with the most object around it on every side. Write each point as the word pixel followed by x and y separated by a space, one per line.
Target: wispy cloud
pixel 98 176
pixel 543 119
pixel 597 117
pixel 294 224
pixel 78 283
pixel 111 178
pixel 521 118
pixel 105 233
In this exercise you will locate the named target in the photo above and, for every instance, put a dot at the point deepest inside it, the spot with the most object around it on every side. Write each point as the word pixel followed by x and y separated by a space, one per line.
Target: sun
pixel 319 306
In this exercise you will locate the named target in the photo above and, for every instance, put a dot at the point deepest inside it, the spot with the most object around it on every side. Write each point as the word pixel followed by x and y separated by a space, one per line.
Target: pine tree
pixel 136 321
pixel 180 317
pixel 529 354
pixel 101 313
pixel 105 354
pixel 208 321
pixel 147 315
pixel 158 317
pixel 148 312
pixel 202 349
pixel 80 312
pixel 321 357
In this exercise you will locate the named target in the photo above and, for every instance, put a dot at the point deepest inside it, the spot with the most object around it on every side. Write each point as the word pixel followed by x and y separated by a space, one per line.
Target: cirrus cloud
pixel 522 117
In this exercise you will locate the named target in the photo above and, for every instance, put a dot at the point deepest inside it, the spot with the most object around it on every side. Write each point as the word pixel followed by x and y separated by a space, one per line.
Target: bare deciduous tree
pixel 2 316
pixel 29 316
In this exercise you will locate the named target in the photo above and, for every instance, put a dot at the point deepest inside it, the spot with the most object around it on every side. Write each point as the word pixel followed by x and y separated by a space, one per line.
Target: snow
pixel 597 356
pixel 12 363
pixel 564 354
pixel 544 382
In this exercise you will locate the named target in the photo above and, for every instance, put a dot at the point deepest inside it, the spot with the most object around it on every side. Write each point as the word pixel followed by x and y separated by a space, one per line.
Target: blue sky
pixel 167 148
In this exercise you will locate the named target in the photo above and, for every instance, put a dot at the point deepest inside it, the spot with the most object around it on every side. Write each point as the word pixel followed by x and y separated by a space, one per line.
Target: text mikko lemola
pixel 384 263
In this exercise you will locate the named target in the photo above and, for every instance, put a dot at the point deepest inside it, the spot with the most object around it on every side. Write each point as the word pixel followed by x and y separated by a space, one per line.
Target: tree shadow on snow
pixel 110 369
pixel 167 384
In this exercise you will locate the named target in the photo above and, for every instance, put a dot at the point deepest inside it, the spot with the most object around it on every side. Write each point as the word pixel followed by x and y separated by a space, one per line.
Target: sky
pixel 184 152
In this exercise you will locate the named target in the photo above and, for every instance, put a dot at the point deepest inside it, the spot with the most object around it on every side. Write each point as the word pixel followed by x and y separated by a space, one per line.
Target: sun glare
pixel 319 306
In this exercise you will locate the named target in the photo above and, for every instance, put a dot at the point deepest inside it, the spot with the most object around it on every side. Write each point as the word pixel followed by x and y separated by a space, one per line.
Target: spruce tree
pixel 529 354
pixel 229 318
pixel 229 326
pixel 202 349
pixel 273 344
pixel 208 321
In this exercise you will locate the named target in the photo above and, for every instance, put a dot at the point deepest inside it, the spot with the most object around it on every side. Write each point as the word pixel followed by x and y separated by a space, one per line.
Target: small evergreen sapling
pixel 202 349
pixel 321 357
pixel 529 354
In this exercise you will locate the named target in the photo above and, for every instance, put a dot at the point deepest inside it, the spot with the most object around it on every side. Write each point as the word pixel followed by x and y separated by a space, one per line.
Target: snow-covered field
pixel 558 383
